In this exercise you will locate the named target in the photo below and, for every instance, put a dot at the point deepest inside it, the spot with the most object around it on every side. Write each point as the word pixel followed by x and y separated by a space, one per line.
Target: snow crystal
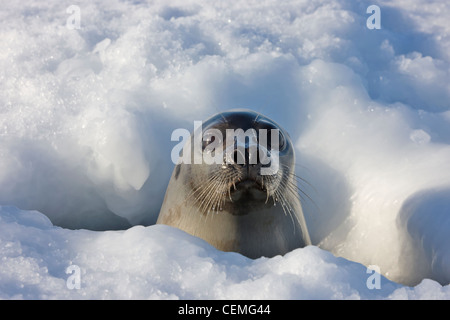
pixel 86 116
pixel 40 261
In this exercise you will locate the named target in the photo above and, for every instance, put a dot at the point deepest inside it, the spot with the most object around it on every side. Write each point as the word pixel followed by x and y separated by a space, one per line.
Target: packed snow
pixel 91 91
pixel 41 261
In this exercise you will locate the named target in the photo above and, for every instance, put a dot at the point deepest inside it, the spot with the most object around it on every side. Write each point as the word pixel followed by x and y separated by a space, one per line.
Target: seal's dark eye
pixel 207 141
pixel 211 139
pixel 272 135
pixel 270 130
pixel 281 141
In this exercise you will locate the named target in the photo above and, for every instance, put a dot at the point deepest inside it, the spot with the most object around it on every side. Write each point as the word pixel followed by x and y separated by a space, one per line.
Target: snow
pixel 161 262
pixel 86 117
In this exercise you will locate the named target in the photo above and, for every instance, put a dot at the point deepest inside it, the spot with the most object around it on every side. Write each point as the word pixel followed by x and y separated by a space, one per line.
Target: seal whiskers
pixel 233 205
pixel 220 184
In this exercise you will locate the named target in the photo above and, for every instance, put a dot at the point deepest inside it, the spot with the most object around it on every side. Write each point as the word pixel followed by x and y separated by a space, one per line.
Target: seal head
pixel 243 195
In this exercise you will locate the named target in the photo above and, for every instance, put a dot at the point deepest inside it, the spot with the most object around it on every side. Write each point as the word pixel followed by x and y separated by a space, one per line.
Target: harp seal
pixel 231 204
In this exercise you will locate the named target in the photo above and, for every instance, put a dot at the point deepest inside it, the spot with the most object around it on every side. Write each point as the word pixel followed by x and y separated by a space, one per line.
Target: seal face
pixel 246 201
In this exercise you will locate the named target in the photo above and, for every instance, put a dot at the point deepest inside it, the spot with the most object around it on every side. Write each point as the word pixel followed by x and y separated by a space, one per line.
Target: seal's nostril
pixel 235 156
pixel 238 158
pixel 241 194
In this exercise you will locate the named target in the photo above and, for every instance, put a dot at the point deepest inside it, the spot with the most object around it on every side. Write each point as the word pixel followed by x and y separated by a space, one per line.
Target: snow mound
pixel 40 261
pixel 86 116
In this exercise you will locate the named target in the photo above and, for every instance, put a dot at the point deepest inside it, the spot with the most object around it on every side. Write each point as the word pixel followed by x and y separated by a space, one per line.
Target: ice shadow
pixel 325 196
pixel 425 217
pixel 52 185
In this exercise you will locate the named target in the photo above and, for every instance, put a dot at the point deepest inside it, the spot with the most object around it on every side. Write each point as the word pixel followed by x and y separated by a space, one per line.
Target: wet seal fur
pixel 234 207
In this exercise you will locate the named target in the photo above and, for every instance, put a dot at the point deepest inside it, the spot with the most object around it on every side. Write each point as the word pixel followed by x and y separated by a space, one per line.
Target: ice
pixel 161 262
pixel 86 117
pixel 425 216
